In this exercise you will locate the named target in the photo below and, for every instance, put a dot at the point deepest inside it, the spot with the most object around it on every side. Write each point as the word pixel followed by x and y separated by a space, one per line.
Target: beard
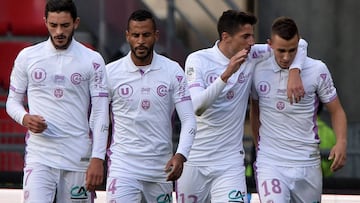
pixel 142 53
pixel 62 37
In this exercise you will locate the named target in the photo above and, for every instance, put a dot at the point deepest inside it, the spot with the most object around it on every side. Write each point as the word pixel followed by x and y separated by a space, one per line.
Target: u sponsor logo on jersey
pixel 162 90
pixel 38 75
pixel 211 78
pixel 125 91
pixel 263 87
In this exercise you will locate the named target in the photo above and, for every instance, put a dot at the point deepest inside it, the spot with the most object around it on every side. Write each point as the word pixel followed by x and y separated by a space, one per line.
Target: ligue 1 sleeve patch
pixel 190 74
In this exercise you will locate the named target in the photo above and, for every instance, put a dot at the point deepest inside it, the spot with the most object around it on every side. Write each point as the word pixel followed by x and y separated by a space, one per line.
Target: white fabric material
pixel 288 133
pixel 142 105
pixel 127 189
pixel 220 127
pixel 289 184
pixel 40 183
pixel 220 107
pixel 59 85
pixel 226 183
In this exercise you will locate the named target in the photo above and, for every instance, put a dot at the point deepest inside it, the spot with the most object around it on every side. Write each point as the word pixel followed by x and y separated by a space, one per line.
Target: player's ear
pixel 269 42
pixel 224 36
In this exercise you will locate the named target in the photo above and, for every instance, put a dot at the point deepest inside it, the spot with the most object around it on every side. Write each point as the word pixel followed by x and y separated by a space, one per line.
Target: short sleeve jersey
pixel 142 105
pixel 59 84
pixel 288 133
pixel 220 129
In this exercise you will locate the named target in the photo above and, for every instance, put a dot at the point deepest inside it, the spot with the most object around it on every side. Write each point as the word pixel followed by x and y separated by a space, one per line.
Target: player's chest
pixel 148 88
pixel 64 72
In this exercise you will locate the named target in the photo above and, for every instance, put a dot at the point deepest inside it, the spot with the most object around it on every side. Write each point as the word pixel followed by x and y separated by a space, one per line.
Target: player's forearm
pixel 339 125
pixel 203 99
pixel 15 107
pixel 188 127
pixel 300 56
pixel 255 120
pixel 100 126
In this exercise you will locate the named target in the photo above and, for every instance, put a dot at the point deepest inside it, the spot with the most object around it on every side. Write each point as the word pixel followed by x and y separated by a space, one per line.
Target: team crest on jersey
pixel 125 91
pixel 263 87
pixel 241 78
pixel 58 92
pixel 230 95
pixel 162 90
pixel 38 75
pixel 145 104
pixel 280 105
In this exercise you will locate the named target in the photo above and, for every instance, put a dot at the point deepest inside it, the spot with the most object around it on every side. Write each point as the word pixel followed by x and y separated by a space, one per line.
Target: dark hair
pixel 231 19
pixel 284 27
pixel 61 6
pixel 141 15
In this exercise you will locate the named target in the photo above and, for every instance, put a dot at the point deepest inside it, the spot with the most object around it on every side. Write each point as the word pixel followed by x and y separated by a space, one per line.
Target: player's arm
pixel 255 120
pixel 295 88
pixel 15 100
pixel 185 111
pixel 15 109
pixel 187 134
pixel 203 97
pixel 99 124
pixel 339 125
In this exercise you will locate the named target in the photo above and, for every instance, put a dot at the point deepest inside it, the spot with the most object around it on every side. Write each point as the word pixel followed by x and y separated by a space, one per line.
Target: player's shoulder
pixel 202 54
pixel 314 64
pixel 116 62
pixel 116 65
pixel 165 62
pixel 90 52
pixel 34 49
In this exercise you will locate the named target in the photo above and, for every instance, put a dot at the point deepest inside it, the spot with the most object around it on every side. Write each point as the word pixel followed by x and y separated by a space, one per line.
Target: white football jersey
pixel 220 128
pixel 288 132
pixel 58 85
pixel 142 105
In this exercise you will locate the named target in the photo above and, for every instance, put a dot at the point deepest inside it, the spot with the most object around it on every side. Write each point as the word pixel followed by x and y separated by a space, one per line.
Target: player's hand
pixel 295 88
pixel 174 167
pixel 234 64
pixel 338 155
pixel 34 123
pixel 94 174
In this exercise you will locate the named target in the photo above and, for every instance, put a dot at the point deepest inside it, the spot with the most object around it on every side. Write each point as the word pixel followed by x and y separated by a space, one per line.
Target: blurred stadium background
pixel 329 26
